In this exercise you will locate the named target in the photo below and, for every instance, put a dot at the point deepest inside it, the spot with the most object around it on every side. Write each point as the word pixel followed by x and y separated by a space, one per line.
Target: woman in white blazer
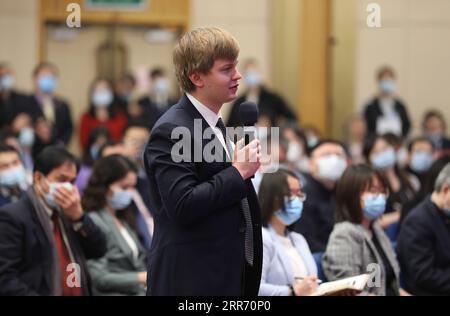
pixel 288 265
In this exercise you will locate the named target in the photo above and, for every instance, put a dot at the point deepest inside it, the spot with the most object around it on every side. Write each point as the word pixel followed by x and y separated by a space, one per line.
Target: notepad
pixel 357 283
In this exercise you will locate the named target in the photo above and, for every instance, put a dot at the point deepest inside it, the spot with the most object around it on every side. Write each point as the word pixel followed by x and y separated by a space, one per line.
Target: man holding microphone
pixel 207 237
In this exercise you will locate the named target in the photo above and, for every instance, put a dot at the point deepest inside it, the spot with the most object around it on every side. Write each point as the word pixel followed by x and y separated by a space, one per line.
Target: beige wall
pixel 285 62
pixel 342 63
pixel 18 38
pixel 414 38
pixel 248 21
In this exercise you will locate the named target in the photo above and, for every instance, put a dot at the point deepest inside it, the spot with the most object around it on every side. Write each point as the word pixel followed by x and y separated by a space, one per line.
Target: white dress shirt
pixel 211 118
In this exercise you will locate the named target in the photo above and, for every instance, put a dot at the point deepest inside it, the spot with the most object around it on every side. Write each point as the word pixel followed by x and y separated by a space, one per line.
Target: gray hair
pixel 443 178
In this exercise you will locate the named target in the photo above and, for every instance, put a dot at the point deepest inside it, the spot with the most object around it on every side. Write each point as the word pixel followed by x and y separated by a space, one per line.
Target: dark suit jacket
pixel 373 111
pixel 424 250
pixel 317 219
pixel 4 200
pixel 198 242
pixel 25 255
pixel 63 126
pixel 270 105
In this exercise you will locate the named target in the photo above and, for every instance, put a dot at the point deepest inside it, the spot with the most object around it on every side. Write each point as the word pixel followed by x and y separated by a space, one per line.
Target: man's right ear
pixel 197 80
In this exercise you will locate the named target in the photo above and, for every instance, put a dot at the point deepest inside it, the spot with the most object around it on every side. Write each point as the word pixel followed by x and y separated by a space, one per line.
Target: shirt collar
pixel 210 116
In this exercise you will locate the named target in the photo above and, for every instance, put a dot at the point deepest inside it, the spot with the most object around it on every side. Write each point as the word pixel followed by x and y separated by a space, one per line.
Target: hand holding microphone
pixel 247 154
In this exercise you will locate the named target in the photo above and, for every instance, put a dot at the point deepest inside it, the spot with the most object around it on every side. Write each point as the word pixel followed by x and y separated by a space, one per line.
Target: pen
pixel 302 278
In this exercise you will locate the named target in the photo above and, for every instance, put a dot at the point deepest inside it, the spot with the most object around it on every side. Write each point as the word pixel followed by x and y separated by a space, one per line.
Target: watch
pixel 78 225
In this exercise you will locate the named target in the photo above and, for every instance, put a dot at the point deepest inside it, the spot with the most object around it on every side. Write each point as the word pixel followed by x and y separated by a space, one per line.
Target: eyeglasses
pixel 298 194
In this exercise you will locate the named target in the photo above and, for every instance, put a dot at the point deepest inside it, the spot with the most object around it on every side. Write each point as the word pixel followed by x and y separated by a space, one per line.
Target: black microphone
pixel 248 113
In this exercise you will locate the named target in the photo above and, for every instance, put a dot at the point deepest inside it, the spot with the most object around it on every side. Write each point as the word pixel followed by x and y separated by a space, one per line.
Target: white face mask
pixel 294 153
pixel 331 167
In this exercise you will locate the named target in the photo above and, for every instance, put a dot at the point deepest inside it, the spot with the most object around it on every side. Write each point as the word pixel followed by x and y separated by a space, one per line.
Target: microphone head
pixel 248 113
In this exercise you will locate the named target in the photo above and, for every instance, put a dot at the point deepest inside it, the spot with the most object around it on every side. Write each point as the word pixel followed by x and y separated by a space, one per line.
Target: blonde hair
pixel 197 51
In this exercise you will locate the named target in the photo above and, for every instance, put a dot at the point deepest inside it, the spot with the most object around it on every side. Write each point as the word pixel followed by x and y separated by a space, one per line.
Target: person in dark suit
pixel 44 105
pixel 423 243
pixel 45 236
pixel 435 128
pixel 207 239
pixel 386 113
pixel 272 108
pixel 11 101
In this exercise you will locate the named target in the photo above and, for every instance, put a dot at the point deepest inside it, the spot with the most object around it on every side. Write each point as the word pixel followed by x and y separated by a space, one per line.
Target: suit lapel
pixel 186 104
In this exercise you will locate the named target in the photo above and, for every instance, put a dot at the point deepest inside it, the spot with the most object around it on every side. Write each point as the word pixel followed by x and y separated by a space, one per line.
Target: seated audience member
pixel 357 241
pixel 355 130
pixel 435 128
pixel 313 135
pixel 273 109
pixel 123 91
pixel 121 271
pixel 45 106
pixel 135 138
pixel 424 242
pixel 328 161
pixel 13 178
pixel 43 137
pixel 386 113
pixel 428 186
pixel 46 232
pixel 421 155
pixel 9 138
pixel 286 255
pixel 98 137
pixel 382 157
pixel 296 154
pixel 159 99
pixel 102 112
pixel 11 101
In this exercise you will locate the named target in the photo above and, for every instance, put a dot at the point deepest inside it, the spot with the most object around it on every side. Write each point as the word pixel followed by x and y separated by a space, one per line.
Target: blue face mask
pixel 6 83
pixel 252 79
pixel 120 199
pixel 94 151
pixel 13 177
pixel 384 160
pixel 374 206
pixel 387 86
pixel 47 83
pixel 294 209
pixel 161 86
pixel 26 137
pixel 421 161
pixel 102 98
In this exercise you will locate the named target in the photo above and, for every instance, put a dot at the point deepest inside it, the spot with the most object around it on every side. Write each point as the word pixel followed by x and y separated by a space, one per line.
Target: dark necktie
pixel 248 243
